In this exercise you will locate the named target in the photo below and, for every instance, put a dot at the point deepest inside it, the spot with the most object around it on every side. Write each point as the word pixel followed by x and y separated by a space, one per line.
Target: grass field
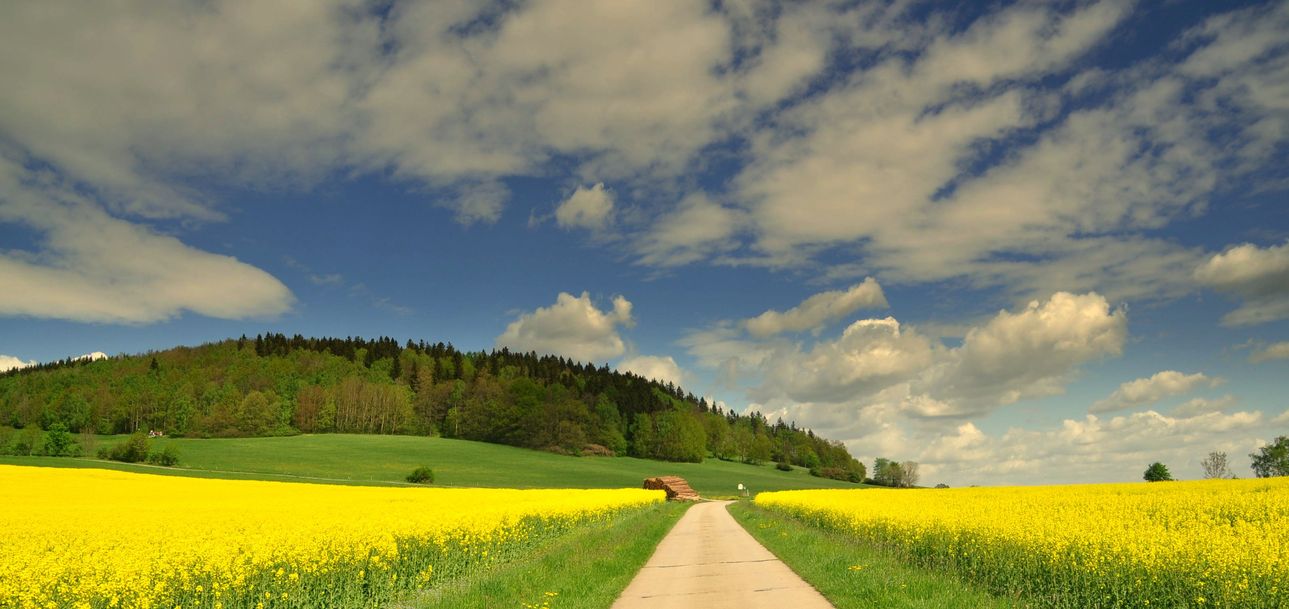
pixel 371 459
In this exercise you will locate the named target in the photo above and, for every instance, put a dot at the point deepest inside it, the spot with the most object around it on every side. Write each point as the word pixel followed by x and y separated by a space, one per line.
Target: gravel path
pixel 709 562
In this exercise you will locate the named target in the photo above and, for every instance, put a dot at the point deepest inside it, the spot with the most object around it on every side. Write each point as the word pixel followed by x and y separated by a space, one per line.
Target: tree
pixel 1215 466
pixel 908 474
pixel 58 442
pixel 1273 459
pixel 1157 472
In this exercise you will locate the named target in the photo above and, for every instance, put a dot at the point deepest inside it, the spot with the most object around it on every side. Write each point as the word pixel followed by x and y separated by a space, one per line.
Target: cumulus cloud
pixel 1260 276
pixel 1030 353
pixel 663 369
pixel 818 310
pixel 1146 391
pixel 95 267
pixel 1270 352
pixel 1033 352
pixel 588 208
pixel 871 354
pixel 9 362
pixel 1074 450
pixel 572 327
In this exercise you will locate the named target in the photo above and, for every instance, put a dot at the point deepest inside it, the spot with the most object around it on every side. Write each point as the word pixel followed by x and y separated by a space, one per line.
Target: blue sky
pixel 1017 243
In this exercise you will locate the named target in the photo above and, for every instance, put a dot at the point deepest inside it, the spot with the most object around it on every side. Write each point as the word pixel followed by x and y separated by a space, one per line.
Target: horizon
pixel 1018 244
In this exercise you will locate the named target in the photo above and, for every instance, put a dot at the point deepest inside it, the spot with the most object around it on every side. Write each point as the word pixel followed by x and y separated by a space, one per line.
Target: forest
pixel 278 385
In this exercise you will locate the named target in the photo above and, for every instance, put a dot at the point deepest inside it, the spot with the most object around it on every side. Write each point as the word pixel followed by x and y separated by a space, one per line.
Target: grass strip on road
pixel 586 569
pixel 852 575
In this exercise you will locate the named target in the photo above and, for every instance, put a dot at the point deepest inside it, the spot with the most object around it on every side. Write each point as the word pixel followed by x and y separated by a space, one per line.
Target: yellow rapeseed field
pixel 83 538
pixel 1212 543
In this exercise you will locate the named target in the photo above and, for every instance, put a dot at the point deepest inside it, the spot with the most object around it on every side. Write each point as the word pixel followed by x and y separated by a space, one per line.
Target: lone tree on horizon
pixel 1215 466
pixel 1157 472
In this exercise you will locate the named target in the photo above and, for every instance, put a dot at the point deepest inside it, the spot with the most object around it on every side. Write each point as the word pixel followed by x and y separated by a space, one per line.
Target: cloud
pixel 1146 391
pixel 659 368
pixel 1258 275
pixel 1033 352
pixel 1273 351
pixel 1090 449
pixel 871 354
pixel 588 208
pixel 478 202
pixel 1030 353
pixel 9 362
pixel 572 327
pixel 818 310
pixel 94 267
pixel 698 229
pixel 1198 406
pixel 990 151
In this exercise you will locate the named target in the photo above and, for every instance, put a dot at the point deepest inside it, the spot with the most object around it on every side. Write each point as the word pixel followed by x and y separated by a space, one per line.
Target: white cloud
pixel 1258 275
pixel 1146 391
pixel 871 354
pixel 572 327
pixel 98 268
pixel 1091 449
pixel 1273 351
pixel 698 228
pixel 818 310
pixel 586 208
pixel 947 155
pixel 1031 353
pixel 663 369
pixel 1199 406
pixel 478 202
pixel 9 362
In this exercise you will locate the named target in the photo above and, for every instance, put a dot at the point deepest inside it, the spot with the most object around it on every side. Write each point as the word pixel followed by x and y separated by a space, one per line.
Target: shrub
pixel 133 450
pixel 783 466
pixel 1157 472
pixel 836 473
pixel 168 457
pixel 421 475
pixel 59 443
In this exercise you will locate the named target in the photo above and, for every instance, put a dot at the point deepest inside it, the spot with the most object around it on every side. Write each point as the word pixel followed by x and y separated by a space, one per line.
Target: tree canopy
pixel 278 385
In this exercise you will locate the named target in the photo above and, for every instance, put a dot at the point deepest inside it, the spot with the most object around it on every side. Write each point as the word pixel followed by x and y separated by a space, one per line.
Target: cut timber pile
pixel 675 486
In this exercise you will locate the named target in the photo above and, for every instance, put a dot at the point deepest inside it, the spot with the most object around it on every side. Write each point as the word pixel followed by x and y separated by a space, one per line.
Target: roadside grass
pixel 852 575
pixel 382 460
pixel 586 569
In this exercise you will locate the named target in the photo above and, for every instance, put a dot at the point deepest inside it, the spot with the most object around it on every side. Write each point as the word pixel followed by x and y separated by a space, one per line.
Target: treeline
pixel 278 385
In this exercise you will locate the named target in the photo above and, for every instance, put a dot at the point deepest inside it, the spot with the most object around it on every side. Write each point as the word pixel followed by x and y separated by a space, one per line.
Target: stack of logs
pixel 675 486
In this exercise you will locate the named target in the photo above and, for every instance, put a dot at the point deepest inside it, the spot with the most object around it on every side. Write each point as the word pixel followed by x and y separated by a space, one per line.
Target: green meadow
pixel 377 459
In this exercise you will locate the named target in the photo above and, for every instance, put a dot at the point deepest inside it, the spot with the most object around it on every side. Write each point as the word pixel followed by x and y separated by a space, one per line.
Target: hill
pixel 376 459
pixel 273 385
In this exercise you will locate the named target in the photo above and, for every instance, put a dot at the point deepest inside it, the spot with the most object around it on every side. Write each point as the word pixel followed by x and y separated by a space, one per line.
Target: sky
pixel 1018 243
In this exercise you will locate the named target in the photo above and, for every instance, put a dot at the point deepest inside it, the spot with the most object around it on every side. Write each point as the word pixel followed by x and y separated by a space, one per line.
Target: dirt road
pixel 709 562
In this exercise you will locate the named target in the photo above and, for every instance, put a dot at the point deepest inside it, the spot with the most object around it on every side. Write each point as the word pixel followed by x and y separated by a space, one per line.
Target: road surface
pixel 708 561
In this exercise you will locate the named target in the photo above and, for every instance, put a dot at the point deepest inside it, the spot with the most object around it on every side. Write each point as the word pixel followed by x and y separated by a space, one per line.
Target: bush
pixel 421 475
pixel 1157 472
pixel 59 442
pixel 783 466
pixel 836 473
pixel 168 457
pixel 133 450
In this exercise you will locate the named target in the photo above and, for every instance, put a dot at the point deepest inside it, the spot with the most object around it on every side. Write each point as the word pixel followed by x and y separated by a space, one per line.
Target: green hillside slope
pixel 388 459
